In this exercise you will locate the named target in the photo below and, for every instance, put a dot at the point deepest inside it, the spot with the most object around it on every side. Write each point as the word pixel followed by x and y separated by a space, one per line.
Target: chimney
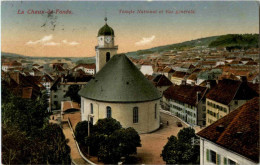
pixel 220 128
pixel 183 82
pixel 198 96
pixel 208 85
pixel 243 78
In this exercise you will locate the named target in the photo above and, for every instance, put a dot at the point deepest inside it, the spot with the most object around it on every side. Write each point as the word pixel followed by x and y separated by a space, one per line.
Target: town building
pixel 86 68
pixel 178 77
pixel 61 86
pixel 187 102
pixel 226 96
pixel 13 65
pixel 127 96
pixel 21 85
pixel 233 139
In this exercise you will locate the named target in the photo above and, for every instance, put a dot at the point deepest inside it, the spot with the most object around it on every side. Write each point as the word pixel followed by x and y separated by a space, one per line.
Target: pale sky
pixel 75 35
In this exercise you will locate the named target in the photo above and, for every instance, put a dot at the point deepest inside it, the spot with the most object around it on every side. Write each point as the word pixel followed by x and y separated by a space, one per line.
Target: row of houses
pixel 202 105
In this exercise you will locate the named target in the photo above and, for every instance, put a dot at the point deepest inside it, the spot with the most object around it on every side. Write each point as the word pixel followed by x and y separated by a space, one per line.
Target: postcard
pixel 130 82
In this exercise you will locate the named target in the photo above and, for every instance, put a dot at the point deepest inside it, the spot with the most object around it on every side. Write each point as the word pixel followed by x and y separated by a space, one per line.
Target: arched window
pixel 91 108
pixel 155 111
pixel 109 112
pixel 135 115
pixel 107 56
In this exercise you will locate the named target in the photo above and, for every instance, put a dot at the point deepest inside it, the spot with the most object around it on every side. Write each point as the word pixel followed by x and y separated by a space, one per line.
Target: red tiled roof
pixel 168 70
pixel 88 66
pixel 162 80
pixel 13 63
pixel 245 119
pixel 227 90
pixel 184 93
pixel 179 74
pixel 251 63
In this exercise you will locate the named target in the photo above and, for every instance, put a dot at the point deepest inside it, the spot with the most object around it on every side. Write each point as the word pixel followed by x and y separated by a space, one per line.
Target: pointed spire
pixel 105 19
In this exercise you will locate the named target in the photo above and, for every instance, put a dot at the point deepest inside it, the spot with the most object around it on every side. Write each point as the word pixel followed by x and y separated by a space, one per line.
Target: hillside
pixel 179 46
pixel 236 41
pixel 229 41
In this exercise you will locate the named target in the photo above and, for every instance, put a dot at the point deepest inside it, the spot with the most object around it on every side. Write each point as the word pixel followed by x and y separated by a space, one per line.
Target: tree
pixel 109 141
pixel 107 126
pixel 26 114
pixel 73 93
pixel 27 136
pixel 14 146
pixel 81 131
pixel 186 134
pixel 58 152
pixel 181 151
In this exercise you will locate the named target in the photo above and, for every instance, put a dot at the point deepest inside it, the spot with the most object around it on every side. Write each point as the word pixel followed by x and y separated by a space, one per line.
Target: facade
pixel 106 48
pixel 61 86
pixel 226 96
pixel 147 69
pixel 47 82
pixel 233 139
pixel 187 102
pixel 128 96
pixel 143 116
pixel 178 77
pixel 86 68
pixel 11 66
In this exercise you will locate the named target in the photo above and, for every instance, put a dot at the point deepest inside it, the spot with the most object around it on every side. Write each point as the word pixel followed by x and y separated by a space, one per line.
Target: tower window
pixel 107 56
pixel 109 112
pixel 135 115
pixel 91 108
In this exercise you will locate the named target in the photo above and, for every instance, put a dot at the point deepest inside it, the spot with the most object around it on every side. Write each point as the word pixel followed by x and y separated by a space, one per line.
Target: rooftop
pixel 241 130
pixel 184 93
pixel 120 81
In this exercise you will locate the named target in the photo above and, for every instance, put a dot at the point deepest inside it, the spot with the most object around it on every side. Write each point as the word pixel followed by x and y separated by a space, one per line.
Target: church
pixel 119 90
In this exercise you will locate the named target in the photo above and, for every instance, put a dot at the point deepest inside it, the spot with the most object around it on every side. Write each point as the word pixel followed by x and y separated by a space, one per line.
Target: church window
pixel 109 112
pixel 107 56
pixel 91 108
pixel 135 115
pixel 155 111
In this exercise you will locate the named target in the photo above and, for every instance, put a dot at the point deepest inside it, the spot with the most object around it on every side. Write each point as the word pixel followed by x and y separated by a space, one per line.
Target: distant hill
pixel 179 46
pixel 236 41
pixel 12 55
pixel 249 40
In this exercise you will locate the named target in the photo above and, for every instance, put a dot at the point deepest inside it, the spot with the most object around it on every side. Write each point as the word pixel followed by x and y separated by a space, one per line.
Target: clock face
pixel 108 39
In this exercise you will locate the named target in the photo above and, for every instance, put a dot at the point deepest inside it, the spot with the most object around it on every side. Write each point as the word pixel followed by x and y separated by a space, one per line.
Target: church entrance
pixel 107 56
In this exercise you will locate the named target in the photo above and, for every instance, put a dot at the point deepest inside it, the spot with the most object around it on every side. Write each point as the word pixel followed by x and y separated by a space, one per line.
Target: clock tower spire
pixel 105 48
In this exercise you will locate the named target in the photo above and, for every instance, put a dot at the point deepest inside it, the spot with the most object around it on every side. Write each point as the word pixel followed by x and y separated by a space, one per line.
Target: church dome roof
pixel 106 31
pixel 120 81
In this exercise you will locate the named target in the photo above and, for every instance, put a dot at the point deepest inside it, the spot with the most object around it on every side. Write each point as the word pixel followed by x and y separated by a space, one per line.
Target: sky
pixel 75 34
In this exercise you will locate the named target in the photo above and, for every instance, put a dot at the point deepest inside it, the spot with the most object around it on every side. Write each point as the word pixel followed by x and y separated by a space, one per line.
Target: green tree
pixel 15 149
pixel 28 115
pixel 58 152
pixel 27 138
pixel 81 131
pixel 110 141
pixel 181 150
pixel 107 126
pixel 186 134
pixel 73 93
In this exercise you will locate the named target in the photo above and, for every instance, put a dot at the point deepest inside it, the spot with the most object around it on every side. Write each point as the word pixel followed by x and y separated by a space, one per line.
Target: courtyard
pixel 152 143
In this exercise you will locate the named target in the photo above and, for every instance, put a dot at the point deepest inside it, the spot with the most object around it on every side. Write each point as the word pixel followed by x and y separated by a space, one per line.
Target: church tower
pixel 105 48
